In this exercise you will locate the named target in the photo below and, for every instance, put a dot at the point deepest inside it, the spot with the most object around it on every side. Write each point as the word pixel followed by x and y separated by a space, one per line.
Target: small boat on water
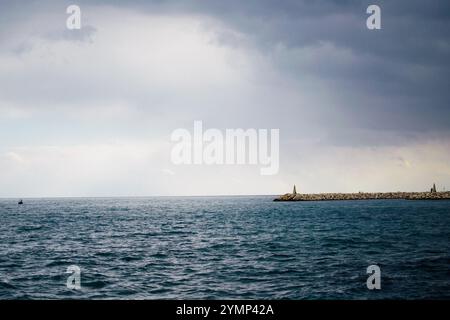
pixel 20 202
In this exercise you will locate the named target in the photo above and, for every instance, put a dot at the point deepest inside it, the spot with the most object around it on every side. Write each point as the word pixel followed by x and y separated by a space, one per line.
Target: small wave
pixel 432 263
pixel 160 255
pixel 96 284
pixel 130 258
pixel 29 228
pixel 105 253
pixel 56 263
pixel 6 285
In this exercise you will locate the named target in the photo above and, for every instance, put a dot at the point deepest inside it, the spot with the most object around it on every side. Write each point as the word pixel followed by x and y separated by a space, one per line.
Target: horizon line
pixel 193 196
pixel 141 196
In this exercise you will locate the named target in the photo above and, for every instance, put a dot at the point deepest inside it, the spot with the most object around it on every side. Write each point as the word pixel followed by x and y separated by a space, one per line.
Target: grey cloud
pixel 393 80
pixel 406 65
pixel 85 34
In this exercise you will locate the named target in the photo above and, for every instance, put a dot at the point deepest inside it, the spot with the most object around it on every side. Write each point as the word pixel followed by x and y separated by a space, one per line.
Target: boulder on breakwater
pixel 444 195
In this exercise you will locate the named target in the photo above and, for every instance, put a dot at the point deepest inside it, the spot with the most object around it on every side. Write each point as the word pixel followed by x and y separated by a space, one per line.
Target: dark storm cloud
pixel 390 79
pixel 400 73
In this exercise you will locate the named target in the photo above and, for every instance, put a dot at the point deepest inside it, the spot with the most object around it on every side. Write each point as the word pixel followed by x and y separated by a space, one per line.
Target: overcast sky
pixel 90 112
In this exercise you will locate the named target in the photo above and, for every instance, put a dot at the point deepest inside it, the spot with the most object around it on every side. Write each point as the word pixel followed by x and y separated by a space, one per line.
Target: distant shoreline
pixel 445 195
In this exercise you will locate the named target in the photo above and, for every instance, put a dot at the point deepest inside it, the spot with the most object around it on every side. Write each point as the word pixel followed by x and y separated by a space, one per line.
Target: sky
pixel 90 112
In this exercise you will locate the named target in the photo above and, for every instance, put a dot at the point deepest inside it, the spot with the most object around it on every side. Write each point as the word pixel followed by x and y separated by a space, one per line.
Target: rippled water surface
pixel 223 247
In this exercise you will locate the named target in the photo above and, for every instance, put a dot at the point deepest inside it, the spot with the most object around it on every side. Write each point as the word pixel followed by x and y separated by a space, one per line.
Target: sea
pixel 245 247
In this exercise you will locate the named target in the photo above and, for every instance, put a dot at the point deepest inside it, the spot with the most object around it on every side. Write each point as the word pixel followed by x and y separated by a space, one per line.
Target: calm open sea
pixel 223 248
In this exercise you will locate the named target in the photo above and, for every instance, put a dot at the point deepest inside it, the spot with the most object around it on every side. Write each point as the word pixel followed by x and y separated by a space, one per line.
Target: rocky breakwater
pixel 444 195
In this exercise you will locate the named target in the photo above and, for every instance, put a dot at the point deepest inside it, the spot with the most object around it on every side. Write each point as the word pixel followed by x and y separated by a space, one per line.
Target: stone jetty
pixel 430 195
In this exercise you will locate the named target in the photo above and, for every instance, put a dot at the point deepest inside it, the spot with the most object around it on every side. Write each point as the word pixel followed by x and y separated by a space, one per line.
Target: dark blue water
pixel 224 248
